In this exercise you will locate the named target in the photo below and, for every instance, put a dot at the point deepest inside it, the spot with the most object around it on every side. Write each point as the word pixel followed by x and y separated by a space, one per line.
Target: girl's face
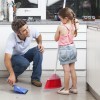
pixel 63 20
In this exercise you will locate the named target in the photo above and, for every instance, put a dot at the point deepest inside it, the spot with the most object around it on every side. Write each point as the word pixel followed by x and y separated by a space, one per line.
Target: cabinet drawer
pixel 54 45
pixel 53 28
pixel 50 36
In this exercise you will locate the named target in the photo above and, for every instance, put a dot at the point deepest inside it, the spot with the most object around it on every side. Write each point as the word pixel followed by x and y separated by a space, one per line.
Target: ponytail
pixel 75 32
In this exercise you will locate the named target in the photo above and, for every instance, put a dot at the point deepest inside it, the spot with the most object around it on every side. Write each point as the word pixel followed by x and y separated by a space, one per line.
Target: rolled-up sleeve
pixel 10 46
pixel 35 33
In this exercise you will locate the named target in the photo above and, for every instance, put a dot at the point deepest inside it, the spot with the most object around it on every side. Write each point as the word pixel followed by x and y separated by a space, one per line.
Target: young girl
pixel 67 50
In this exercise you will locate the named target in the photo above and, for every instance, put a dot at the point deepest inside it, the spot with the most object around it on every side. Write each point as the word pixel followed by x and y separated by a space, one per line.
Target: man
pixel 18 56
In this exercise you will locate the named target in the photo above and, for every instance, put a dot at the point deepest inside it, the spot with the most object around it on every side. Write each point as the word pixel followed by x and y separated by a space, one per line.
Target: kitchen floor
pixel 38 93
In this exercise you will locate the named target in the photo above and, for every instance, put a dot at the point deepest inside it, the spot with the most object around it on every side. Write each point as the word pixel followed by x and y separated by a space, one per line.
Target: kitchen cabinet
pixel 5 30
pixel 93 61
pixel 48 32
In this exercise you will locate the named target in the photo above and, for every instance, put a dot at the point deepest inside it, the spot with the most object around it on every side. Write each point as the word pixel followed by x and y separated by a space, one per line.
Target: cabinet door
pixel 50 54
pixel 5 30
pixel 50 57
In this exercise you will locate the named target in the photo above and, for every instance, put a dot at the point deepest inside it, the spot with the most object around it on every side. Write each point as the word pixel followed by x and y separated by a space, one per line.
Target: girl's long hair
pixel 68 12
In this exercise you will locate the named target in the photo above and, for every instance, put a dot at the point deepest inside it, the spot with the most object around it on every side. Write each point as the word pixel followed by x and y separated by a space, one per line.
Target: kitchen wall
pixel 47 9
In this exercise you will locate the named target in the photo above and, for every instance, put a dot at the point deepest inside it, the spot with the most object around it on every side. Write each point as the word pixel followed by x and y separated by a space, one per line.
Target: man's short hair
pixel 17 24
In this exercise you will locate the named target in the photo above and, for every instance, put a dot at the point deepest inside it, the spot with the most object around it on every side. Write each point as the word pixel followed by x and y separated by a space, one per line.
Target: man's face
pixel 23 31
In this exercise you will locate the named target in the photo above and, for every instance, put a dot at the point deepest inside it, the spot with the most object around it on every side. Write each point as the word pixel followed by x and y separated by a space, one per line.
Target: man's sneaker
pixel 36 83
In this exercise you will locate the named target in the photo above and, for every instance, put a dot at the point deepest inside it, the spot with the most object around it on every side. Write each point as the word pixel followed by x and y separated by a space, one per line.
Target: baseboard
pixel 28 73
pixel 90 89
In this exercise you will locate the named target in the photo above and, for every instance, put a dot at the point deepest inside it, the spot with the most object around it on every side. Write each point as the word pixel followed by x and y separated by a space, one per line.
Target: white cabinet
pixel 5 30
pixel 49 58
pixel 50 54
pixel 93 59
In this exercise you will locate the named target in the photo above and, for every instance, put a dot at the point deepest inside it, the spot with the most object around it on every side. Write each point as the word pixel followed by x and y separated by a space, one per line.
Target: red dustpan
pixel 54 80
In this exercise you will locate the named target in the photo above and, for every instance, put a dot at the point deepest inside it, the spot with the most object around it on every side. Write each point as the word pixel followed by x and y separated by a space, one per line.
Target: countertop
pixel 49 22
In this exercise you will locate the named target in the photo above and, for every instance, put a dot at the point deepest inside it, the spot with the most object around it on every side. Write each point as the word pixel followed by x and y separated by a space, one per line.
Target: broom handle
pixel 56 63
pixel 64 4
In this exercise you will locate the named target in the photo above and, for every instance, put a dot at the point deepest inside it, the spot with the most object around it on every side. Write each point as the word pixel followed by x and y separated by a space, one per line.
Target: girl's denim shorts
pixel 67 54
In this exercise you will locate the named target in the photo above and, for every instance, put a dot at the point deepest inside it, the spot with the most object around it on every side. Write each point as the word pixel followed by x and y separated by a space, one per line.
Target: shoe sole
pixel 73 92
pixel 63 93
pixel 36 85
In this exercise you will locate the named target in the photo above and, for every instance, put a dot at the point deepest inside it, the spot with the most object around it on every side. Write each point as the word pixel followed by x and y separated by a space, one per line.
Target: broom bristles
pixel 53 83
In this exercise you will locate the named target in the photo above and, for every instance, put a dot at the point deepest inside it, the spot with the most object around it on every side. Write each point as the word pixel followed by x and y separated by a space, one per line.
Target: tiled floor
pixel 38 93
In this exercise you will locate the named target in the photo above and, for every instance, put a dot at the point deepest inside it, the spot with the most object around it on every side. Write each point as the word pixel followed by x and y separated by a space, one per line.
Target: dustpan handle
pixel 64 4
pixel 56 62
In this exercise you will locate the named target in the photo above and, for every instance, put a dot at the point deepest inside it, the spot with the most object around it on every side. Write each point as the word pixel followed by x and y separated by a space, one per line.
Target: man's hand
pixel 11 79
pixel 41 48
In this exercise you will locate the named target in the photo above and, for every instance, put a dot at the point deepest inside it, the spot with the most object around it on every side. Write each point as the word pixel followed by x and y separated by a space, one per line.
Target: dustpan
pixel 20 90
pixel 54 80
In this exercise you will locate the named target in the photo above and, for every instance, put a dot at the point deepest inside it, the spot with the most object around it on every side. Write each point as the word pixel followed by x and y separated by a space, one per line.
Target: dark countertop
pixel 48 22
pixel 41 22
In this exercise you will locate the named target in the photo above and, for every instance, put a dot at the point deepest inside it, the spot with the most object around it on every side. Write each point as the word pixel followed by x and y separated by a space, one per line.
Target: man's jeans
pixel 21 62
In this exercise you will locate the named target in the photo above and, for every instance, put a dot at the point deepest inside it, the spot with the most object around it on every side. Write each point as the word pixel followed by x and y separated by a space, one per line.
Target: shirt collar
pixel 17 38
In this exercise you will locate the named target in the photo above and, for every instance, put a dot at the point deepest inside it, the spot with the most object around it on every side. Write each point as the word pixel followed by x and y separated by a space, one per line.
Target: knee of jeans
pixel 25 64
pixel 38 51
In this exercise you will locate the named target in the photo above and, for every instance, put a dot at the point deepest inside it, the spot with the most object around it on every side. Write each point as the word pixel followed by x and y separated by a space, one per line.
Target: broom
pixel 54 81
